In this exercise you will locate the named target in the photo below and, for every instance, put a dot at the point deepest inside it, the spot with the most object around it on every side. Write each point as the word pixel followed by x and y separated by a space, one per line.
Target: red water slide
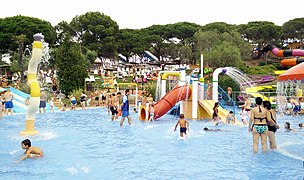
pixel 170 99
pixel 286 53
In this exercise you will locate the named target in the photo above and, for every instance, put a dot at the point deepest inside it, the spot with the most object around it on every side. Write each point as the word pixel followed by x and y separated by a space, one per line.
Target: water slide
pixel 254 92
pixel 18 101
pixel 286 53
pixel 207 106
pixel 19 98
pixel 177 94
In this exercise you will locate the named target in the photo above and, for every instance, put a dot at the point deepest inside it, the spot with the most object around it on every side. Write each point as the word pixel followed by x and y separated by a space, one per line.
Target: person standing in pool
pixel 83 100
pixel 125 108
pixel 184 125
pixel 8 96
pixel 42 104
pixel 271 129
pixel 73 102
pixel 259 119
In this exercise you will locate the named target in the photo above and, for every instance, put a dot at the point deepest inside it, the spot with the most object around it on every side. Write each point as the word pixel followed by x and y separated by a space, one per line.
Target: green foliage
pixel 150 88
pixel 131 42
pixel 24 87
pixel 225 82
pixel 77 93
pixel 220 27
pixel 93 30
pixel 221 50
pixel 71 67
pixel 294 29
pixel 251 70
pixel 262 63
pixel 261 32
pixel 17 25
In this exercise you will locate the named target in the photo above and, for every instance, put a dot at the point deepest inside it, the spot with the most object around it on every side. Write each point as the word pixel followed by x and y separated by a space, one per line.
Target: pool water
pixel 87 145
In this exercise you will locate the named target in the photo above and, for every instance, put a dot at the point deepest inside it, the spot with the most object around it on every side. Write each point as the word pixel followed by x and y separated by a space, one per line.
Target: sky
pixel 136 14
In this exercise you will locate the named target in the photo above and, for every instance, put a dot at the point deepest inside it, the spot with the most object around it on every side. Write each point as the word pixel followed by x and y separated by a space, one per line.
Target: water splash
pixel 239 77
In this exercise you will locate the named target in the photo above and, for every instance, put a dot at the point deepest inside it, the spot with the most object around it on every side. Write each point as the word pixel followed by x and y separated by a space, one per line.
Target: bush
pixel 226 81
pixel 267 69
pixel 150 87
pixel 262 63
pixel 77 93
pixel 24 87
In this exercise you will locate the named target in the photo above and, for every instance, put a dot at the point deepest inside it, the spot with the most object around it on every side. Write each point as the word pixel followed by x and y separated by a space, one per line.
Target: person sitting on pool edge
pixel 31 151
pixel 184 125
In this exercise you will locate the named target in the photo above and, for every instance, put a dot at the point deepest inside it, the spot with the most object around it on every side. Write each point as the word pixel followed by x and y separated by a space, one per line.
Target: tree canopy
pixel 11 27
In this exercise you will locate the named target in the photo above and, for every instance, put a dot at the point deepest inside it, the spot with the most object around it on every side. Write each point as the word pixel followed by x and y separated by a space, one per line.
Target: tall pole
pixel 194 98
pixel 182 82
pixel 201 80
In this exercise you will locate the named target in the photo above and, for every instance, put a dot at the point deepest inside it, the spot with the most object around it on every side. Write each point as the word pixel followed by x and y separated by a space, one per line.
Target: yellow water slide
pixel 34 86
pixel 207 110
pixel 254 92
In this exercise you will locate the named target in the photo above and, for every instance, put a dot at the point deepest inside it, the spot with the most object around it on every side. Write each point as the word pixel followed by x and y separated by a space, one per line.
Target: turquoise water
pixel 87 145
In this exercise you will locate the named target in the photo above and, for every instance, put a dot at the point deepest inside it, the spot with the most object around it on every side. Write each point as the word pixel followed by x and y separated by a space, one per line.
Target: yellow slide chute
pixel 207 106
pixel 34 86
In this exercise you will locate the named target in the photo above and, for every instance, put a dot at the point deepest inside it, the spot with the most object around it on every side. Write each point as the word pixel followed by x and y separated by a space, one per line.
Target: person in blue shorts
pixel 8 96
pixel 125 108
pixel 42 104
pixel 73 102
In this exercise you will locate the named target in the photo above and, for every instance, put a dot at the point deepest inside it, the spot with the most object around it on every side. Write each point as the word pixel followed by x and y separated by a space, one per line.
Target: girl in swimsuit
pixel 215 116
pixel 259 129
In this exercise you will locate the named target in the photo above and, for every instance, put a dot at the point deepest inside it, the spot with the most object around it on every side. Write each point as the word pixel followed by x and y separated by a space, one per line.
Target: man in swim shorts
pixel 42 103
pixel 31 151
pixel 184 126
pixel 8 96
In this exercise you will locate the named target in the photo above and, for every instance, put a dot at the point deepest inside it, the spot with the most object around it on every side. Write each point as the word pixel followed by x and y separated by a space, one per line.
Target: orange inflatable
pixel 119 112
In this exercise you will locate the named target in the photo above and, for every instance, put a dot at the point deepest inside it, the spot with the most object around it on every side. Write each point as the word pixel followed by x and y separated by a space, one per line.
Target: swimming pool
pixel 87 145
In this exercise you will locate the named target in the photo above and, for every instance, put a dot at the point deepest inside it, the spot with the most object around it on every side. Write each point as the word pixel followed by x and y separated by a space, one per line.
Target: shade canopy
pixel 294 73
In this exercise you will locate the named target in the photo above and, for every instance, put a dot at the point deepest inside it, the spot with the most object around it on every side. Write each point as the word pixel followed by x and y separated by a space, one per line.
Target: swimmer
pixel 287 127
pixel 135 111
pixel 64 108
pixel 31 151
pixel 207 129
pixel 184 126
pixel 300 125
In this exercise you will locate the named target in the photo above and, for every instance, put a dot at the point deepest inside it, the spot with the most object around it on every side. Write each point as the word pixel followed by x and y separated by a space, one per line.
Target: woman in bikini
pixel 271 129
pixel 258 125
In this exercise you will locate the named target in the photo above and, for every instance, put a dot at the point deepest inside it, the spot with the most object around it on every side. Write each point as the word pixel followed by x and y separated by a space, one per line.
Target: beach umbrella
pixel 294 73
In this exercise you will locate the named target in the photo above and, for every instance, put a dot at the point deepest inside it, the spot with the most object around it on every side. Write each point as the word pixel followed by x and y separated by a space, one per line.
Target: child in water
pixel 230 118
pixel 287 127
pixel 184 126
pixel 31 151
pixel 151 110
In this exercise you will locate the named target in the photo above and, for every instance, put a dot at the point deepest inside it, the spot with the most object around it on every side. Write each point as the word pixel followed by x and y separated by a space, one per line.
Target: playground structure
pixel 286 53
pixel 189 94
pixel 34 86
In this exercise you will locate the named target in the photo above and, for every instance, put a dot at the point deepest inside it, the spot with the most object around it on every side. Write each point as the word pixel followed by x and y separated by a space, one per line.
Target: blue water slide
pixel 19 98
